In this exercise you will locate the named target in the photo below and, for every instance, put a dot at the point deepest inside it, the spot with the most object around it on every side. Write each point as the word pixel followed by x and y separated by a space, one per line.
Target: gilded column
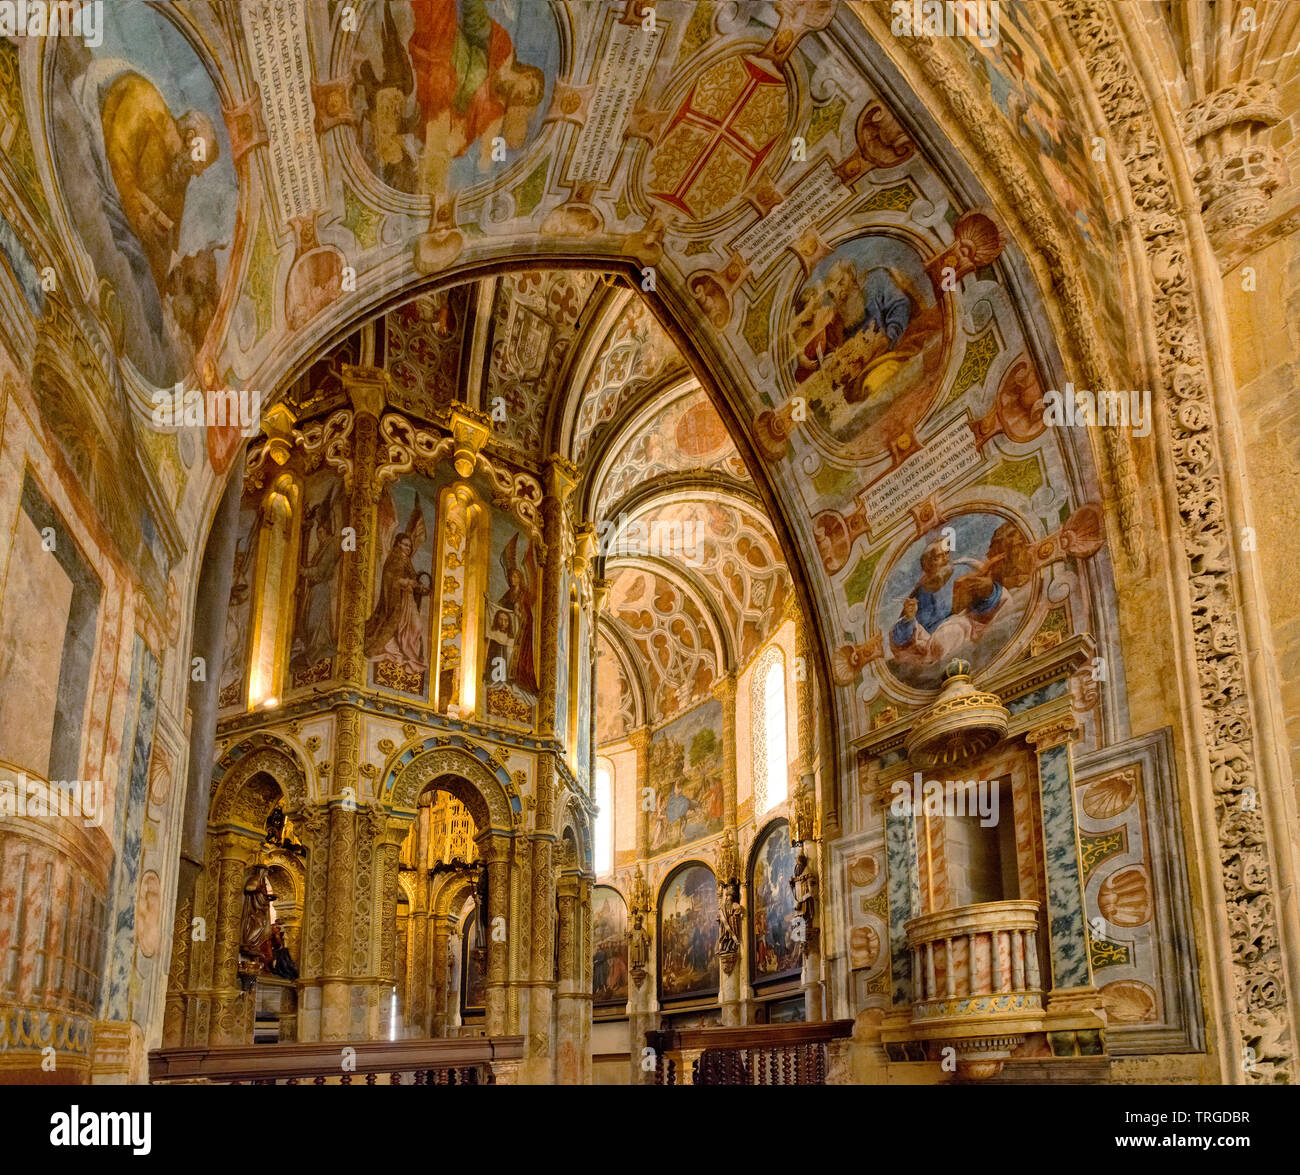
pixel 438 930
pixel 313 827
pixel 568 998
pixel 518 1006
pixel 495 849
pixel 725 692
pixel 232 1007
pixel 543 958
pixel 365 387
pixel 561 477
pixel 583 998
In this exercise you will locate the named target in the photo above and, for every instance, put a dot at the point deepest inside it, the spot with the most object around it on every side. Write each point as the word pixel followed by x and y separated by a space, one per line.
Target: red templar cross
pixel 719 137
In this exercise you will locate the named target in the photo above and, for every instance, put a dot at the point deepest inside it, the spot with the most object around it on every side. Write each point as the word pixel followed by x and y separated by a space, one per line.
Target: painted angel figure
pixel 397 627
pixel 510 632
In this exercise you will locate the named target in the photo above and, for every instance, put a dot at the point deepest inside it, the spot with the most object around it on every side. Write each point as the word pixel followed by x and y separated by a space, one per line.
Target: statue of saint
pixel 638 945
pixel 730 917
pixel 282 963
pixel 255 925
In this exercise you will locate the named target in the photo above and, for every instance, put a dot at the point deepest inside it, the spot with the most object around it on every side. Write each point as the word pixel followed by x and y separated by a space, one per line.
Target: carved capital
pixel 1053 733
pixel 367 389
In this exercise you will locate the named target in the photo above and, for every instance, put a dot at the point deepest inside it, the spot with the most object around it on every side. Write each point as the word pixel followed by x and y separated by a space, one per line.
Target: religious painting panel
pixel 688 931
pixel 149 183
pixel 687 777
pixel 439 81
pixel 609 936
pixel 398 628
pixel 513 628
pixel 775 935
pixel 316 605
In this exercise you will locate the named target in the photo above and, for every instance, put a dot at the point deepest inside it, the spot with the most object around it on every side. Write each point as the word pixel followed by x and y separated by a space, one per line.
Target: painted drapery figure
pixel 396 629
pixel 469 86
pixel 510 634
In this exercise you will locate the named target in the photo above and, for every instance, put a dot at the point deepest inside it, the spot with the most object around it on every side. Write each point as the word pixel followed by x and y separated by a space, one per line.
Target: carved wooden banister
pixel 468 1061
pixel 750 1054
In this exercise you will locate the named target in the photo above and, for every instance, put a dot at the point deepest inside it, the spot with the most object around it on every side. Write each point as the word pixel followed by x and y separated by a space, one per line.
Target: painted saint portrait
pixel 438 81
pixel 866 331
pixel 320 553
pixel 686 773
pixel 514 583
pixel 775 943
pixel 154 194
pixel 397 630
pixel 609 946
pixel 688 930
pixel 961 591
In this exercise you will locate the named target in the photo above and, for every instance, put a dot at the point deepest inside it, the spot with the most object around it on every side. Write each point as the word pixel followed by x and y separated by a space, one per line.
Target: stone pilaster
pixel 640 740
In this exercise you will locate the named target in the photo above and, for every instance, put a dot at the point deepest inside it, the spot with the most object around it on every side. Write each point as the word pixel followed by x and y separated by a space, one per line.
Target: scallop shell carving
pixel 864 947
pixel 1129 1001
pixel 863 871
pixel 1125 898
pixel 1110 796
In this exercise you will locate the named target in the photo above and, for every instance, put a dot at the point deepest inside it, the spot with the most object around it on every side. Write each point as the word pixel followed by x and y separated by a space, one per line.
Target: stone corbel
pixel 584 548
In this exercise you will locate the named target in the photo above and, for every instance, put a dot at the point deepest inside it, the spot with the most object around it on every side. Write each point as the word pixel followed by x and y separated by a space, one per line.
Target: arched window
pixel 767 723
pixel 604 849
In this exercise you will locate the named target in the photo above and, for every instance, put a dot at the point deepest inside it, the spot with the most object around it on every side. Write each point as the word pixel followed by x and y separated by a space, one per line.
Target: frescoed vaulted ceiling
pixel 721 255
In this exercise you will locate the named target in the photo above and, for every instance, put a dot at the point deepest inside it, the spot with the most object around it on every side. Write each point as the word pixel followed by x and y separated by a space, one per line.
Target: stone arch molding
pixel 234 799
pixel 574 821
pixel 463 774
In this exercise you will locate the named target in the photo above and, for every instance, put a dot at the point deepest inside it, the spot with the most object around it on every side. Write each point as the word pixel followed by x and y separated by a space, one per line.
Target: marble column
pixel 1071 965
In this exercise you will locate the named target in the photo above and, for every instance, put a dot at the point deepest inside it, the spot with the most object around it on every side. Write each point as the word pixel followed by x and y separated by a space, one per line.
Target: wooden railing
pixel 751 1054
pixel 466 1061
